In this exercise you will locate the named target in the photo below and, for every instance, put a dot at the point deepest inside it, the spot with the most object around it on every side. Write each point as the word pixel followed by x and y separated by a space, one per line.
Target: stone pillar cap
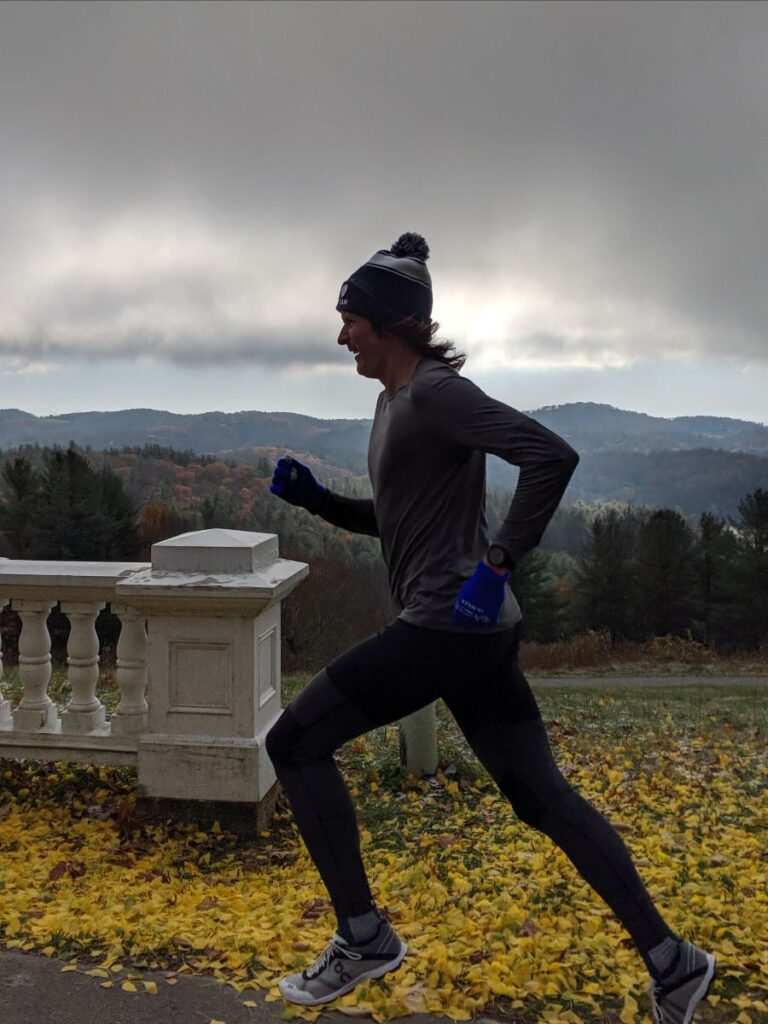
pixel 216 551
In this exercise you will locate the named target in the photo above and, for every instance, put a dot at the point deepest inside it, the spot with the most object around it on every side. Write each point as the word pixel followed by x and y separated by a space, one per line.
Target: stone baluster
pixel 131 718
pixel 5 705
pixel 36 710
pixel 418 742
pixel 84 713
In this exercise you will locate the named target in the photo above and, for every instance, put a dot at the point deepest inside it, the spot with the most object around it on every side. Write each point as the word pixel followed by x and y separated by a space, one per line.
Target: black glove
pixel 294 483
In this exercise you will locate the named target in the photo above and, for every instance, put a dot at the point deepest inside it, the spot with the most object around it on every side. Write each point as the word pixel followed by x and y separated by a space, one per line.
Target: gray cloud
pixel 193 181
pixel 181 350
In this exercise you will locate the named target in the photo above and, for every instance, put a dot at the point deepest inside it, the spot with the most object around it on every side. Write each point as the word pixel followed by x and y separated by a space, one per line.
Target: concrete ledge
pixel 244 819
pixel 48 745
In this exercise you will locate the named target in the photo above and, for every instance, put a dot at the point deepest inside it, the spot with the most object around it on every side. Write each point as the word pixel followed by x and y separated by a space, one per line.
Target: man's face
pixel 358 335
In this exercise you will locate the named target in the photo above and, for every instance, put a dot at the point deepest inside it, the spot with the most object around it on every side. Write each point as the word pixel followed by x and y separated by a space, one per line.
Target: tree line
pixel 633 572
pixel 651 574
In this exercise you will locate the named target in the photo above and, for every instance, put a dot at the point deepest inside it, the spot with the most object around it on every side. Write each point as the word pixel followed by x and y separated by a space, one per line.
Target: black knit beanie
pixel 392 285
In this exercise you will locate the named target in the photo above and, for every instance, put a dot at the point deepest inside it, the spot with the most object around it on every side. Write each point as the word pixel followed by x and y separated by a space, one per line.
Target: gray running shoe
pixel 341 966
pixel 675 998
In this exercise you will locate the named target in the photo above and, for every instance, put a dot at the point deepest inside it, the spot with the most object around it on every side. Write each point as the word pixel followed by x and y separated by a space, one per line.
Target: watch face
pixel 496 557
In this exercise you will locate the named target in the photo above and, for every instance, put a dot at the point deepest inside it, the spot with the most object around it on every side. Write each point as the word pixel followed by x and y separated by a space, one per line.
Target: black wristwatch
pixel 499 558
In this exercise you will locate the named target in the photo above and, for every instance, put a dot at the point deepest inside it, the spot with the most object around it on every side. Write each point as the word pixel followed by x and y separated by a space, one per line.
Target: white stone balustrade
pixel 198 665
pixel 35 728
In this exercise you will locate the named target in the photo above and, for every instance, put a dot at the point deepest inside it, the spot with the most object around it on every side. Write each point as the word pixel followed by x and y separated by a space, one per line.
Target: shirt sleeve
pixel 353 514
pixel 462 414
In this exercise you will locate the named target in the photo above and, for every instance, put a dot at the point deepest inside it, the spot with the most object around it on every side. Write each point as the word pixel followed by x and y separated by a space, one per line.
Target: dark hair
pixel 419 336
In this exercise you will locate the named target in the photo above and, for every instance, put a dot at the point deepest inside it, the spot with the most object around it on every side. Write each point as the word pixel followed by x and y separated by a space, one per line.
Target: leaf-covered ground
pixel 496 918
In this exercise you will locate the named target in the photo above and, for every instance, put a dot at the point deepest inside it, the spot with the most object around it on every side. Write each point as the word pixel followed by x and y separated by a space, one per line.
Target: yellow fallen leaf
pixel 473 944
pixel 128 986
pixel 69 967
pixel 107 984
pixel 628 1013
pixel 150 987
pixel 457 1013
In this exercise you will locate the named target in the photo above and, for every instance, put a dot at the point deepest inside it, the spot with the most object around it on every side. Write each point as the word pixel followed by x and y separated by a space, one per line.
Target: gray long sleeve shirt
pixel 426 462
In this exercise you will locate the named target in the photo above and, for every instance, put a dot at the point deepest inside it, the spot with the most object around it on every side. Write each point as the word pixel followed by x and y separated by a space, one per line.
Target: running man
pixel 456 637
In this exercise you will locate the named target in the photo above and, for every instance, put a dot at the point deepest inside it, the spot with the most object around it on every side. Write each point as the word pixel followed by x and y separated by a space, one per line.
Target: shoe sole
pixel 304 999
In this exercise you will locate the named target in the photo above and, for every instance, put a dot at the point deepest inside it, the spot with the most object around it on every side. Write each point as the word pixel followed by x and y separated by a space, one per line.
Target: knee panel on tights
pixel 315 724
pixel 534 803
pixel 525 803
pixel 281 738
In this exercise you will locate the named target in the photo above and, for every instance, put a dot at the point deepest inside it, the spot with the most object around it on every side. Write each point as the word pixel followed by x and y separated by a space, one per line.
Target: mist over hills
pixel 204 433
pixel 695 463
pixel 589 426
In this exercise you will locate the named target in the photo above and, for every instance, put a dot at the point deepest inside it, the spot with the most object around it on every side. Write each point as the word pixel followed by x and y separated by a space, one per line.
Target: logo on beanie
pixel 342 300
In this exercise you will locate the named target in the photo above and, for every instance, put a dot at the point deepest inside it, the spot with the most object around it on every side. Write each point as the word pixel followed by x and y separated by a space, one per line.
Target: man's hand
pixel 480 599
pixel 294 483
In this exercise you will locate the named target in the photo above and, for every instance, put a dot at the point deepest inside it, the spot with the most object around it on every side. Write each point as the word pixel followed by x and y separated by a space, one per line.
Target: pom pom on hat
pixel 411 244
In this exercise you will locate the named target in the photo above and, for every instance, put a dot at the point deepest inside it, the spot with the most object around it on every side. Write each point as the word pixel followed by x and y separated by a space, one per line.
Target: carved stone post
pixel 418 742
pixel 212 599
pixel 84 713
pixel 5 705
pixel 36 710
pixel 131 717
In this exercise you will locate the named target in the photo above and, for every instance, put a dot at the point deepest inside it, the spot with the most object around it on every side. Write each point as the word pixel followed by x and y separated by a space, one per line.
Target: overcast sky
pixel 184 186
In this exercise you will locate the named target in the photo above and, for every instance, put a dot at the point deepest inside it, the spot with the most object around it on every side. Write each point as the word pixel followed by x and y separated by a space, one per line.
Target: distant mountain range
pixel 696 463
pixel 588 426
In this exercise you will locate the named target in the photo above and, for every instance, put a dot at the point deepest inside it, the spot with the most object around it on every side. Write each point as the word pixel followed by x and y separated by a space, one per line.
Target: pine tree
pixel 666 575
pixel 18 512
pixel 606 574
pixel 541 603
pixel 74 512
pixel 752 568
pixel 716 599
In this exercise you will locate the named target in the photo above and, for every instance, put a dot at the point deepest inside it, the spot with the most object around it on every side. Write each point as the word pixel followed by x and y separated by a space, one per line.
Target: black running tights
pixel 394 673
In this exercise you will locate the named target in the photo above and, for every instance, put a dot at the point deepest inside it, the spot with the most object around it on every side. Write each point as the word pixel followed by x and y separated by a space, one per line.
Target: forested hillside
pixel 590 427
pixel 633 570
pixel 694 463
pixel 700 480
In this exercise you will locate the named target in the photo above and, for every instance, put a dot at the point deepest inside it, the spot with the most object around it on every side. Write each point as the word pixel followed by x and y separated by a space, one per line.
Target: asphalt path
pixel 607 682
pixel 33 990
